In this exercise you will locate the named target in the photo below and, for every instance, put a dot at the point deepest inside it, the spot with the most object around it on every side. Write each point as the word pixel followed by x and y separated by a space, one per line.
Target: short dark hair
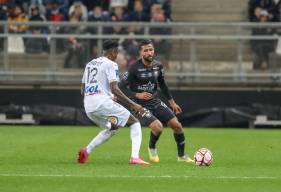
pixel 109 44
pixel 144 42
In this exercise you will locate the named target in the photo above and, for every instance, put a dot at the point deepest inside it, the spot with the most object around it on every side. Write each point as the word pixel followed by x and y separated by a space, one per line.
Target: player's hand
pixel 144 96
pixel 139 109
pixel 175 107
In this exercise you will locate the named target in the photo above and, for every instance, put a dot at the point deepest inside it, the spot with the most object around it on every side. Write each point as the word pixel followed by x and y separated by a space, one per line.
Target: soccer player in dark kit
pixel 140 83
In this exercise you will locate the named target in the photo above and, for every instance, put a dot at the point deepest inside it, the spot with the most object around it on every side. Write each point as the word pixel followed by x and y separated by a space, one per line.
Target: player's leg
pixel 180 139
pixel 109 130
pixel 126 118
pixel 102 137
pixel 166 116
pixel 136 139
pixel 156 129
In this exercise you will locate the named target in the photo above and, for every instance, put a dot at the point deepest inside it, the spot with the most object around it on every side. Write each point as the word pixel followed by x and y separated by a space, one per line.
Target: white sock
pixel 136 137
pixel 99 139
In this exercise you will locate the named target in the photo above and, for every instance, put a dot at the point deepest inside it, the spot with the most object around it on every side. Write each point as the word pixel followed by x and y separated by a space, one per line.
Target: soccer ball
pixel 203 157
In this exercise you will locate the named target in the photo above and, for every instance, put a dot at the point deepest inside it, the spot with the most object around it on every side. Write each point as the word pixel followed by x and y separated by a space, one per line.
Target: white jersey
pixel 98 75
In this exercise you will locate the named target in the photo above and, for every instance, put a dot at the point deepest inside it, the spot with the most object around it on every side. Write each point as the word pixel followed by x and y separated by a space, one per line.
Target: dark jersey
pixel 140 78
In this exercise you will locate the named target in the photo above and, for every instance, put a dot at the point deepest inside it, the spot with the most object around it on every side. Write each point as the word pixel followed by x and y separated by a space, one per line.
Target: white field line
pixel 144 176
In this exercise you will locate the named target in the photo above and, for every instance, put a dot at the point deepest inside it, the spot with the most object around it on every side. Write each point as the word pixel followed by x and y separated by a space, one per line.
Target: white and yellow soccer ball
pixel 203 157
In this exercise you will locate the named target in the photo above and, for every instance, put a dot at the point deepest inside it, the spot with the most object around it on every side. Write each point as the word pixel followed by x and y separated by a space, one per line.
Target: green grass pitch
pixel 42 158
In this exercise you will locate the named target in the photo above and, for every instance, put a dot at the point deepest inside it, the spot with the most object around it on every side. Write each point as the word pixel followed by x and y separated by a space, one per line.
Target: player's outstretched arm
pixel 124 99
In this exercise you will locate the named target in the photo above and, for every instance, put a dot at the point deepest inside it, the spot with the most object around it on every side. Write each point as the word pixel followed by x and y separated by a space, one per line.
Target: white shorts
pixel 110 112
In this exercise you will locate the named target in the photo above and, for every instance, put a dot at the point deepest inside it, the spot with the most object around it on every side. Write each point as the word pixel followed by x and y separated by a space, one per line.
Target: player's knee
pixel 156 127
pixel 132 120
pixel 177 127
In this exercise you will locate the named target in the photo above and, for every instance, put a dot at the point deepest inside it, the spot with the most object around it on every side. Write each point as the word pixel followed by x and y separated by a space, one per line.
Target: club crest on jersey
pixel 113 120
pixel 92 90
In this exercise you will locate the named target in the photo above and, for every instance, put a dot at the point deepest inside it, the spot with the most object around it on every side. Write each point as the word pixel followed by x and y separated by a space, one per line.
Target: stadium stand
pixel 211 11
pixel 206 50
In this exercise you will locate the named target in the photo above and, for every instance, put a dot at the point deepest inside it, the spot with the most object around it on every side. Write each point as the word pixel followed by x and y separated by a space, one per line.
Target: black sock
pixel 180 139
pixel 153 140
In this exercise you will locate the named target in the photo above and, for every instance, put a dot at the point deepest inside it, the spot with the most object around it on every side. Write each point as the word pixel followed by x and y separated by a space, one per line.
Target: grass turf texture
pixel 37 158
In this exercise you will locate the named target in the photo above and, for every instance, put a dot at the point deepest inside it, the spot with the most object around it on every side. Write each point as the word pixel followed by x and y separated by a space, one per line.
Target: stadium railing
pixel 203 53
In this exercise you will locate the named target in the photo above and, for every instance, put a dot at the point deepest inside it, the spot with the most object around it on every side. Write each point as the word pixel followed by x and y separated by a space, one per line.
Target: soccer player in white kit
pixel 99 84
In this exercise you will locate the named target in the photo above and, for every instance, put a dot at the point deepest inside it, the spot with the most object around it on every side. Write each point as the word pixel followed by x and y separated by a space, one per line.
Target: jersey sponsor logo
pixel 147 87
pixel 92 90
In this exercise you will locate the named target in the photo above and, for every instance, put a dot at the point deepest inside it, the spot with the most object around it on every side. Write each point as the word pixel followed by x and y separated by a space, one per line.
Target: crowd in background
pixel 264 11
pixel 78 50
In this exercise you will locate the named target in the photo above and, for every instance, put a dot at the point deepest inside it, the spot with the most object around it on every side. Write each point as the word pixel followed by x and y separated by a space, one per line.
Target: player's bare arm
pixel 122 97
pixel 176 108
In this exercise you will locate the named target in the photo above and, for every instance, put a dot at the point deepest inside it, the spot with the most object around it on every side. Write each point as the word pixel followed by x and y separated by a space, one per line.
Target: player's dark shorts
pixel 162 112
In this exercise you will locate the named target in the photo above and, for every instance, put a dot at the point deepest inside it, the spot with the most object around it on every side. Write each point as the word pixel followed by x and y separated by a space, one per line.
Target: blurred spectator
pixel 76 48
pixel 118 3
pixel 17 15
pixel 54 13
pixel 96 15
pixel 79 10
pixel 278 11
pixel 93 3
pixel 3 17
pixel 3 11
pixel 118 15
pixel 138 14
pixel 263 48
pixel 268 5
pixel 35 14
pixel 162 46
pixel 61 5
pixel 37 3
pixel 23 3
pixel 16 43
pixel 38 45
pixel 130 45
pixel 165 6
